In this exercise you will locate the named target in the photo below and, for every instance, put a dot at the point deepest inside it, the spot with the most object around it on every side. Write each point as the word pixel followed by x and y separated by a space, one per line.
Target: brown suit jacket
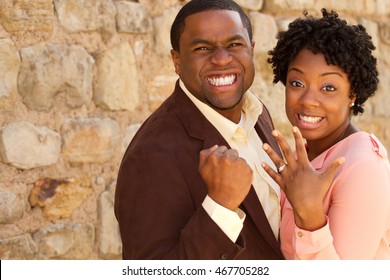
pixel 159 191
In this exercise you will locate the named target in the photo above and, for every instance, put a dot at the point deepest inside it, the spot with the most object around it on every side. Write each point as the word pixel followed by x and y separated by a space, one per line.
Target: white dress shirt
pixel 243 138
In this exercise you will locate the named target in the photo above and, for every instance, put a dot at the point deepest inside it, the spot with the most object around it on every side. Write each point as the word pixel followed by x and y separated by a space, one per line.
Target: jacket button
pixel 224 256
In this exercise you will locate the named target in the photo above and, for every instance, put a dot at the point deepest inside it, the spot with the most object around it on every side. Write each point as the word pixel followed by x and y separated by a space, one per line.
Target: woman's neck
pixel 317 147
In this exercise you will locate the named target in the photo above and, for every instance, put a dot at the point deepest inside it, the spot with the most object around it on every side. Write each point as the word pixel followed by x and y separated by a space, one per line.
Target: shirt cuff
pixel 231 222
pixel 308 243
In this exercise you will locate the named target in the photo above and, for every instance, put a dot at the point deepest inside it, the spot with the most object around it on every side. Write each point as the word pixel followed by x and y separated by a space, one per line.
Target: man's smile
pixel 222 80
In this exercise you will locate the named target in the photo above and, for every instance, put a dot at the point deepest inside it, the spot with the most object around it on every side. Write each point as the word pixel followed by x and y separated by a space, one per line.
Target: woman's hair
pixel 346 46
pixel 197 6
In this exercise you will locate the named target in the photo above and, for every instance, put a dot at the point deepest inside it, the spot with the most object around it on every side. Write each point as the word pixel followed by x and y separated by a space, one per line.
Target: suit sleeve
pixel 159 214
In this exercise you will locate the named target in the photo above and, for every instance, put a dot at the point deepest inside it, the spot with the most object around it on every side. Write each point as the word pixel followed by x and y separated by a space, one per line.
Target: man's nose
pixel 221 56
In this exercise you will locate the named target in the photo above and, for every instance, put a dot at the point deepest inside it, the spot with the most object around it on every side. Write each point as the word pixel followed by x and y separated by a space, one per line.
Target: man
pixel 191 185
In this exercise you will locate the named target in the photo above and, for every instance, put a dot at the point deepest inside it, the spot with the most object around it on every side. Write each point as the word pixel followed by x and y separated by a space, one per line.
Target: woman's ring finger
pixel 281 168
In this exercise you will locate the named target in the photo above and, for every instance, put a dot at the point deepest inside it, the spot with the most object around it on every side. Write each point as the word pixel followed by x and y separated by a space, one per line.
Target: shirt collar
pixel 252 108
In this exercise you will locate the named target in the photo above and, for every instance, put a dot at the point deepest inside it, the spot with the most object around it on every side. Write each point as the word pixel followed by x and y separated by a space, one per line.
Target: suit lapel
pixel 203 130
pixel 200 129
pixel 253 208
pixel 264 127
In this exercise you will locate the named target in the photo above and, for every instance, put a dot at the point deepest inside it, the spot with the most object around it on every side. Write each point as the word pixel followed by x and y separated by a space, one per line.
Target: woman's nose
pixel 309 97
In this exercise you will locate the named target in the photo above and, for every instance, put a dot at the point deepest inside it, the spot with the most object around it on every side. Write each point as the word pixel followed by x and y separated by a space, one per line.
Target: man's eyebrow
pixel 199 41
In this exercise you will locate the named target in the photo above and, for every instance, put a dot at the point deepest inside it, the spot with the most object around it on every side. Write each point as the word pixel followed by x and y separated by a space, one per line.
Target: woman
pixel 337 184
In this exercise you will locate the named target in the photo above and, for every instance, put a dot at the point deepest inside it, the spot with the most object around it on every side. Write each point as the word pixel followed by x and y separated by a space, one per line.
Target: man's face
pixel 215 61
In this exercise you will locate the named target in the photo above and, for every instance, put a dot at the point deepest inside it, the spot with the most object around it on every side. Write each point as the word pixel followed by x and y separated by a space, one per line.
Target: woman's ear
pixel 352 99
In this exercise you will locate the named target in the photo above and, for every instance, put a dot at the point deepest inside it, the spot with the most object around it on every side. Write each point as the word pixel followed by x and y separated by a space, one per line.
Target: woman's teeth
pixel 310 119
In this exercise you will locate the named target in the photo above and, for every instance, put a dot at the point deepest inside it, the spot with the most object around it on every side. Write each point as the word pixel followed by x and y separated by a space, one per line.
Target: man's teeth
pixel 222 81
pixel 310 119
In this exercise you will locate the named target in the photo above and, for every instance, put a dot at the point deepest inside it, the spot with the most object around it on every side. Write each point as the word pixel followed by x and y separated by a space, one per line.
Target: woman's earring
pixel 352 104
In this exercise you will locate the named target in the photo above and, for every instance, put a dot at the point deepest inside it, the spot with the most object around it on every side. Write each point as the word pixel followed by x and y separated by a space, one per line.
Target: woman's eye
pixel 296 84
pixel 329 88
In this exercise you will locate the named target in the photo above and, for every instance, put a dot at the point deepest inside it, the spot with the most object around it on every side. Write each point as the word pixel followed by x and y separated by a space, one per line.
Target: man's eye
pixel 202 49
pixel 232 45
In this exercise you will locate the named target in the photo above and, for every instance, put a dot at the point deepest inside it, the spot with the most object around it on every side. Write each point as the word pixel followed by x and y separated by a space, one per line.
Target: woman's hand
pixel 304 187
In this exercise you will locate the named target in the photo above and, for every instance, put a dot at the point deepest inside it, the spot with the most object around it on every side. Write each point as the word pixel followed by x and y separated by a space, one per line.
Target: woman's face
pixel 318 99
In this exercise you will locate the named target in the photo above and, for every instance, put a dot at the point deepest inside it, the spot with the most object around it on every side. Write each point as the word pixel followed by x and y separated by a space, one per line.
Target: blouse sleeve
pixel 357 216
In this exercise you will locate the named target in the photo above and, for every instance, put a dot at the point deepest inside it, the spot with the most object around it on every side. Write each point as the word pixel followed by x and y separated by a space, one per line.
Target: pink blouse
pixel 357 206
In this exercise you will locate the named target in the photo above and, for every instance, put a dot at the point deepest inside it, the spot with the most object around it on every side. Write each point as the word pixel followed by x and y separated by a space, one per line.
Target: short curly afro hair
pixel 346 46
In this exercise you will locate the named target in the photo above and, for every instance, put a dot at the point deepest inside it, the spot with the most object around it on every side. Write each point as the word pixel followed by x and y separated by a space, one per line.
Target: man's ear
pixel 176 61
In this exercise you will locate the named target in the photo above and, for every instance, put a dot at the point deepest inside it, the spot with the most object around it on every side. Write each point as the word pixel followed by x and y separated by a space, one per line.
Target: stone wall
pixel 76 80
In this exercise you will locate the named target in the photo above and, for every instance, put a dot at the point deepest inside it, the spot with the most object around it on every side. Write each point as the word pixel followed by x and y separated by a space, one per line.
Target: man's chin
pixel 226 106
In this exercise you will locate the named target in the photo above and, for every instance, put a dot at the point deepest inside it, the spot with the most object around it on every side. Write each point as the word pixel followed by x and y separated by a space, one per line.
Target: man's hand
pixel 227 176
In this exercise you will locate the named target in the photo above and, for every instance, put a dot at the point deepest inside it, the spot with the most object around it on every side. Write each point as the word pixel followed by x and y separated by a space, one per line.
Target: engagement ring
pixel 280 169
